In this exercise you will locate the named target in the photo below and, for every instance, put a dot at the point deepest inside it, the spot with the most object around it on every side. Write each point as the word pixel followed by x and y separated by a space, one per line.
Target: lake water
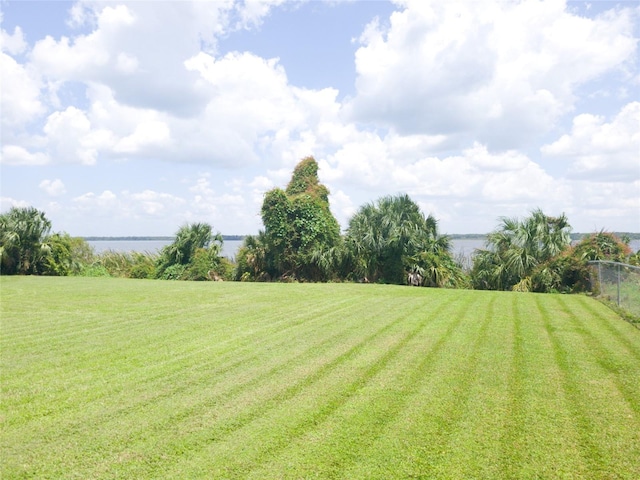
pixel 461 246
pixel 464 246
pixel 229 247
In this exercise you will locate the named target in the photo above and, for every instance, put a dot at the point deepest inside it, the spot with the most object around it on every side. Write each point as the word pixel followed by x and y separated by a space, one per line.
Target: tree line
pixel 387 241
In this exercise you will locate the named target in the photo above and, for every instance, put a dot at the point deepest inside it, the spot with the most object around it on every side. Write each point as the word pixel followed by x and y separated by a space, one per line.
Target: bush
pixel 143 266
pixel 563 274
pixel 201 266
pixel 174 272
pixel 94 270
pixel 602 246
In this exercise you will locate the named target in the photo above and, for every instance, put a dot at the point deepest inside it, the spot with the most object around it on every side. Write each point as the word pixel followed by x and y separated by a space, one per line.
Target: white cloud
pixel 82 57
pixel 152 134
pixel 69 137
pixel 253 111
pixel 478 180
pixel 501 72
pixel 106 199
pixel 153 203
pixel 612 206
pixel 249 92
pixel 602 150
pixel 53 188
pixel 130 205
pixel 20 94
pixel 202 186
pixel 251 12
pixel 131 49
pixel 18 155
pixel 13 44
pixel 450 99
pixel 342 207
pixel 126 63
pixel 6 203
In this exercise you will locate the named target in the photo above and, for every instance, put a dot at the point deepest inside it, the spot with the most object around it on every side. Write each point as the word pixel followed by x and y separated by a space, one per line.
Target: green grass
pixel 629 295
pixel 112 378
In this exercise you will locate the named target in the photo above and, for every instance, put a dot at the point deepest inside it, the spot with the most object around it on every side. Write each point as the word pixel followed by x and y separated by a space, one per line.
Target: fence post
pixel 599 278
pixel 619 266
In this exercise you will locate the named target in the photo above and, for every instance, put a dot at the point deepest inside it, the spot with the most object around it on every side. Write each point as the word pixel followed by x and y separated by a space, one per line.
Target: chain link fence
pixel 617 283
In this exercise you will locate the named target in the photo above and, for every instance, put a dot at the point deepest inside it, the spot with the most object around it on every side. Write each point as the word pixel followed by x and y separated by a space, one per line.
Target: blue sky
pixel 133 118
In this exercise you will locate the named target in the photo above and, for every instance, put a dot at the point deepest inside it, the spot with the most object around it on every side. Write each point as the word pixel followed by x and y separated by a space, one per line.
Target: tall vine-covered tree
pixel 298 223
pixel 516 248
pixel 24 246
pixel 392 237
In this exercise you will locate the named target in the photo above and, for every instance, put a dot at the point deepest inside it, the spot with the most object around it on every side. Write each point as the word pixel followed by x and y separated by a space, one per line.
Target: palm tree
pixel 189 239
pixel 251 259
pixel 23 240
pixel 516 248
pixel 385 239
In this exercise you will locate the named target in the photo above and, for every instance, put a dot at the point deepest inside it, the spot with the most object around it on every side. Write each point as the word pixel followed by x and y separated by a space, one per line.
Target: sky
pixel 133 118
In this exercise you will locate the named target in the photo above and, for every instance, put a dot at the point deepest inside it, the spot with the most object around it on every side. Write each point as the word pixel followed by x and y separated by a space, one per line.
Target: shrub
pixel 144 266
pixel 174 272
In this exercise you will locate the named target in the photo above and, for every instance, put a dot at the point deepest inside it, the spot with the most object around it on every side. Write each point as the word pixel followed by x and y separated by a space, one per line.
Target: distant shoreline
pixel 456 236
pixel 149 238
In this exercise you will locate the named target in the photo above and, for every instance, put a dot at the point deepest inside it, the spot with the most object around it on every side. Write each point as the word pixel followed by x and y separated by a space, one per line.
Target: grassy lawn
pixel 111 378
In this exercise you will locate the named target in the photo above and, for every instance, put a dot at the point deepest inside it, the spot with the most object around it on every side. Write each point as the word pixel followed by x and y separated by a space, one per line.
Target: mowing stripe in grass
pixel 410 442
pixel 369 403
pixel 54 402
pixel 131 410
pixel 443 456
pixel 592 451
pixel 480 441
pixel 551 445
pixel 263 376
pixel 621 330
pixel 160 364
pixel 607 388
pixel 236 419
pixel 513 436
pixel 208 369
pixel 322 407
pixel 613 362
pixel 190 380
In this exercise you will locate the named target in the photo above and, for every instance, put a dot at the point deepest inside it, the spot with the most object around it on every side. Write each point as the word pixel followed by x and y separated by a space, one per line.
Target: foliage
pixel 173 272
pixel 23 241
pixel 569 272
pixel 193 254
pixel 143 265
pixel 439 269
pixel 225 269
pixel 205 265
pixel 93 270
pixel 386 239
pixel 565 273
pixel 28 248
pixel 517 248
pixel 602 246
pixel 298 223
pixel 66 255
pixel 112 263
pixel 251 259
